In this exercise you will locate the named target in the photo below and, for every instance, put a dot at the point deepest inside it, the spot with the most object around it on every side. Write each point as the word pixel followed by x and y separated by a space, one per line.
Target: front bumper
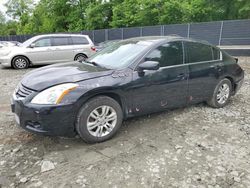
pixel 5 61
pixel 45 119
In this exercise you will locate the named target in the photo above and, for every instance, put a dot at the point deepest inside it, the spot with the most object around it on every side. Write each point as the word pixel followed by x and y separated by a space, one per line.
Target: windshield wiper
pixel 94 63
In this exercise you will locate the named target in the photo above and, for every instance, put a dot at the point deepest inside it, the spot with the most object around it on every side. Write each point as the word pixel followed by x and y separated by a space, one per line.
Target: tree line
pixel 45 16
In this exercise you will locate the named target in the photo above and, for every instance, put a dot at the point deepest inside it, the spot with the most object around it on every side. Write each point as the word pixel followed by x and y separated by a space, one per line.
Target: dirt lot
pixel 192 147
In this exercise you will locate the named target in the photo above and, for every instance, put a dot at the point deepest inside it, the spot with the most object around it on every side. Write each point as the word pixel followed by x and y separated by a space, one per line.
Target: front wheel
pixel 222 94
pixel 99 119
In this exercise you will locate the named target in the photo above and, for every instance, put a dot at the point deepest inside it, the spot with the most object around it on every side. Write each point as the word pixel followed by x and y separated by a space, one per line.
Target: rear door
pixel 62 49
pixel 202 79
pixel 82 45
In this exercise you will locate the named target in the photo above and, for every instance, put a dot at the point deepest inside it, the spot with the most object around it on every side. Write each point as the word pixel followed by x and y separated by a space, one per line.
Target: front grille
pixel 23 92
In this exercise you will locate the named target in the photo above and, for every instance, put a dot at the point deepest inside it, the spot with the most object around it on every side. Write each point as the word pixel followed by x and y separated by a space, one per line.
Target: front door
pixel 164 88
pixel 62 49
pixel 41 53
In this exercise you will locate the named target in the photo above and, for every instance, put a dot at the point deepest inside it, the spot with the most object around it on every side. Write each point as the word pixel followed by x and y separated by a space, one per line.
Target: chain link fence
pixel 222 33
pixel 233 32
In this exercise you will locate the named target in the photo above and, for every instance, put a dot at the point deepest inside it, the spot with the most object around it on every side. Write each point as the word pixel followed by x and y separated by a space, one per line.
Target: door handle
pixel 217 67
pixel 182 75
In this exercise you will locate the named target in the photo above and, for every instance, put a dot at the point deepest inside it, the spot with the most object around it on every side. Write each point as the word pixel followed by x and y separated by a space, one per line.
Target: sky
pixel 2 8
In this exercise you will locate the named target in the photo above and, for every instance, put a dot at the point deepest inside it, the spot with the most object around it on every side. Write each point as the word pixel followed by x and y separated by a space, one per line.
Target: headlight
pixel 54 95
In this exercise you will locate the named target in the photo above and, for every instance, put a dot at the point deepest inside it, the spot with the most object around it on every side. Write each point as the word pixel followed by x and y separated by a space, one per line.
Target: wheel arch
pixel 112 94
pixel 232 82
pixel 80 54
pixel 19 56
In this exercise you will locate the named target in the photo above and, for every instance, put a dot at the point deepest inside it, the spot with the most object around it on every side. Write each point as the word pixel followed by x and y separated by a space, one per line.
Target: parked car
pixel 105 44
pixel 9 43
pixel 130 78
pixel 47 49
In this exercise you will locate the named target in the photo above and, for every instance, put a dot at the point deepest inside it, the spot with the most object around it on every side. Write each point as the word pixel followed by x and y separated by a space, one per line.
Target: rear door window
pixel 79 40
pixel 61 41
pixel 197 52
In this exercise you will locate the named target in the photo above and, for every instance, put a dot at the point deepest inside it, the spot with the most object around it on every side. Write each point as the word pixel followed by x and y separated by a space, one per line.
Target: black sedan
pixel 130 78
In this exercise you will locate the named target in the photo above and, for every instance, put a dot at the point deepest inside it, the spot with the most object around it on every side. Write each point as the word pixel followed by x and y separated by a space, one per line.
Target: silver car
pixel 47 49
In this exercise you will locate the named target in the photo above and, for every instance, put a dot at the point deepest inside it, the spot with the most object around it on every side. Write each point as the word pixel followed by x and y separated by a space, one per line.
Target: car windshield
pixel 28 42
pixel 119 55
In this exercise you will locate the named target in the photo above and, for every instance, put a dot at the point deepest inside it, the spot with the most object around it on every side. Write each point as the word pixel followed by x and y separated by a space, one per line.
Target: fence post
pixel 106 35
pixel 221 30
pixel 162 30
pixel 140 31
pixel 122 34
pixel 93 35
pixel 188 34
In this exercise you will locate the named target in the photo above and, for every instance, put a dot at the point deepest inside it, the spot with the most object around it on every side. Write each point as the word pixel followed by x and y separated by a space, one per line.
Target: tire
pixel 223 88
pixel 80 57
pixel 20 62
pixel 88 130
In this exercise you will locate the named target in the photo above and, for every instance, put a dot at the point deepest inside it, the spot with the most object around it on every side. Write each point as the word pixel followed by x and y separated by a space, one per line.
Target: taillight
pixel 93 48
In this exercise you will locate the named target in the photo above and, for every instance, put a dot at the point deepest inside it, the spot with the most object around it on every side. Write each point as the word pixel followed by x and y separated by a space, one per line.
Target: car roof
pixel 62 35
pixel 159 39
pixel 153 39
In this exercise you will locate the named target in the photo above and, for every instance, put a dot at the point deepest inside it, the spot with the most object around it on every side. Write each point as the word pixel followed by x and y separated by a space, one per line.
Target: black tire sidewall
pixel 80 55
pixel 20 57
pixel 87 108
pixel 224 81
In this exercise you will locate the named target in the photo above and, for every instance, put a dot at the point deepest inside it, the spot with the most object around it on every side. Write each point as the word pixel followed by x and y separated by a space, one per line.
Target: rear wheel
pixel 99 119
pixel 80 57
pixel 222 94
pixel 20 62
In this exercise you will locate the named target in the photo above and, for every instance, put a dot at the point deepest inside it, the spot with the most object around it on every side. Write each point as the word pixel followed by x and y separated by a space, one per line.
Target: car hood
pixel 7 49
pixel 11 48
pixel 48 76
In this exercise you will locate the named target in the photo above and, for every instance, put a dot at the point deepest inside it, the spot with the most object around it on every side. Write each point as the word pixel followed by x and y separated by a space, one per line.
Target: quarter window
pixel 80 40
pixel 198 52
pixel 167 55
pixel 43 42
pixel 61 41
pixel 216 54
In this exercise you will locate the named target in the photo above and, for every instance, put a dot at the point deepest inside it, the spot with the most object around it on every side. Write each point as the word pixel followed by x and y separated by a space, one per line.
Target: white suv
pixel 47 49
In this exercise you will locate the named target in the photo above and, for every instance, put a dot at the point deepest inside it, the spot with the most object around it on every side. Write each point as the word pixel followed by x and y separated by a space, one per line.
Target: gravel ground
pixel 195 146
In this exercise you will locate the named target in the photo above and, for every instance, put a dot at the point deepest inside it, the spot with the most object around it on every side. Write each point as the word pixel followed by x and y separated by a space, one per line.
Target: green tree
pixel 125 14
pixel 2 18
pixel 76 15
pixel 150 12
pixel 98 15
pixel 16 8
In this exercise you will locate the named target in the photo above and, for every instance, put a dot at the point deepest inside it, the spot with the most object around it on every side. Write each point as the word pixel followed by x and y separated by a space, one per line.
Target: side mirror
pixel 148 65
pixel 33 45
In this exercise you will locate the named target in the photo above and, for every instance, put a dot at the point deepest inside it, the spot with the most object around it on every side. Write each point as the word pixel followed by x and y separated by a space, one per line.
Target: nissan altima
pixel 129 78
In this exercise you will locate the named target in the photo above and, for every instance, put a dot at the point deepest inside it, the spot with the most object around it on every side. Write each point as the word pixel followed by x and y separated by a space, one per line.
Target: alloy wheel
pixel 101 121
pixel 20 63
pixel 80 58
pixel 223 93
